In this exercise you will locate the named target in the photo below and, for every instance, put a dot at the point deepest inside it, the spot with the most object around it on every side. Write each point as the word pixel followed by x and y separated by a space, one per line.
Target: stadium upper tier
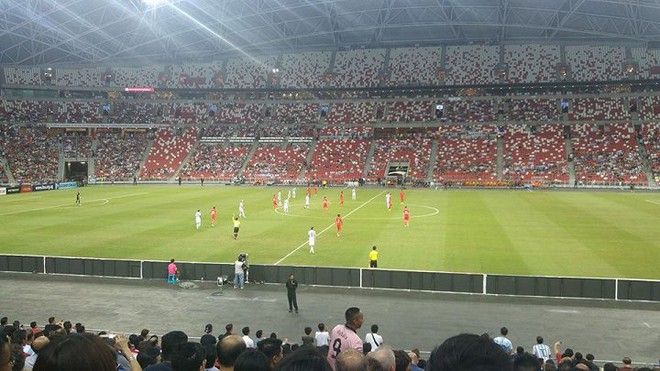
pixel 363 68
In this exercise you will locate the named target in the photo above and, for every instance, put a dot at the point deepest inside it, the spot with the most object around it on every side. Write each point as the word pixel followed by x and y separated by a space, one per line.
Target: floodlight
pixel 154 2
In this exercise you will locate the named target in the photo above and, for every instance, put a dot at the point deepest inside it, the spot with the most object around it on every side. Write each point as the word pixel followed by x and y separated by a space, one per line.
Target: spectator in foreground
pixel 468 352
pixel 189 356
pixel 169 344
pixel 252 360
pixel 384 359
pixel 77 352
pixel 229 348
pixel 272 348
pixel 306 358
pixel 350 360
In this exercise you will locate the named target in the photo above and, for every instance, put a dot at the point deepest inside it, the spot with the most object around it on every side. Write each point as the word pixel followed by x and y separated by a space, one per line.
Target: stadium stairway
pixel 433 159
pixel 500 158
pixel 145 155
pixel 370 157
pixel 644 155
pixel 310 153
pixel 185 160
pixel 5 166
pixel 571 164
pixel 253 149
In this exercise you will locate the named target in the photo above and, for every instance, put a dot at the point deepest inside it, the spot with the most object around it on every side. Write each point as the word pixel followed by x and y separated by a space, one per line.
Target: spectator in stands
pixel 627 364
pixel 350 360
pixel 189 356
pixel 468 352
pixel 169 343
pixel 148 355
pixel 40 341
pixel 384 357
pixel 307 339
pixel 609 366
pixel 402 360
pixel 246 337
pixel 208 338
pixel 272 348
pixel 305 358
pixel 414 361
pixel 211 357
pixel 502 341
pixel 77 352
pixel 527 362
pixel 6 360
pixel 541 350
pixel 322 336
pixel 373 338
pixel 229 348
pixel 346 335
pixel 252 360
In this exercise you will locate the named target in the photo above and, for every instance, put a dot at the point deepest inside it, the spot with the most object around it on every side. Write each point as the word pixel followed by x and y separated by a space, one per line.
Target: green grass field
pixel 558 233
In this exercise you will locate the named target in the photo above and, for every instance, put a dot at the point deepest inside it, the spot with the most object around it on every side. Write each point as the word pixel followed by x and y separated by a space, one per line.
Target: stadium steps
pixel 644 155
pixel 91 161
pixel 433 159
pixel 370 157
pixel 5 165
pixel 303 168
pixel 253 149
pixel 184 162
pixel 500 157
pixel 150 143
pixel 60 162
pixel 568 145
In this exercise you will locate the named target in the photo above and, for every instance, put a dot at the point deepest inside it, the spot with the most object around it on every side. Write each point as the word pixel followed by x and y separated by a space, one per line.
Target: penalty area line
pixel 328 227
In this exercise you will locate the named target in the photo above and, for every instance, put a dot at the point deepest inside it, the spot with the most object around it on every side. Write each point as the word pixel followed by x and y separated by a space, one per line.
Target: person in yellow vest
pixel 373 258
pixel 237 225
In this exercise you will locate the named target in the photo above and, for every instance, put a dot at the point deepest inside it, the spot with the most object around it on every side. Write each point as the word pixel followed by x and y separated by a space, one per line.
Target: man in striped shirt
pixel 541 350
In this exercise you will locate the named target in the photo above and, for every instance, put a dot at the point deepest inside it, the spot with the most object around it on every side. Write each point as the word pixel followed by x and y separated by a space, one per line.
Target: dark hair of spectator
pixel 211 354
pixel 208 328
pixel 76 352
pixel 188 357
pixel 169 343
pixel 402 360
pixel 321 326
pixel 148 354
pixel 526 362
pixel 504 331
pixel 304 359
pixel 252 360
pixel 351 313
pixel 468 352
pixel 374 328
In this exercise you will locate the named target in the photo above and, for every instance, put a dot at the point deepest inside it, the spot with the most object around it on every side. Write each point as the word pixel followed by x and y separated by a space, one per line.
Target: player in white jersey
pixel 312 239
pixel 288 194
pixel 353 194
pixel 241 210
pixel 344 337
pixel 388 200
pixel 306 201
pixel 198 219
pixel 285 207
pixel 293 192
pixel 279 197
pixel 541 350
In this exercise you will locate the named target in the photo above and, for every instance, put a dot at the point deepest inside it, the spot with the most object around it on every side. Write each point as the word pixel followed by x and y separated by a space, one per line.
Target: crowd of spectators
pixel 338 160
pixel 416 66
pixel 358 68
pixel 169 149
pixel 276 162
pixel 304 70
pixel 595 63
pixel 535 152
pixel 32 154
pixel 467 153
pixel 531 63
pixel 471 64
pixel 215 161
pixel 411 149
pixel 118 155
pixel 63 346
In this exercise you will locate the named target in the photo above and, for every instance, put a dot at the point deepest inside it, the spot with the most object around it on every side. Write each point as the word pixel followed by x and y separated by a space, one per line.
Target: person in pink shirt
pixel 345 336
pixel 172 270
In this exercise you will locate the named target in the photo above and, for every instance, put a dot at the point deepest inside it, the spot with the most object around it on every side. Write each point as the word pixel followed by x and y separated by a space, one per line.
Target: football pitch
pixel 550 233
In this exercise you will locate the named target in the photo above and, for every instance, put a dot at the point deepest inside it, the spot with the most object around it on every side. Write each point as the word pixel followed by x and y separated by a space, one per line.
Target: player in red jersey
pixel 309 191
pixel 339 223
pixel 341 198
pixel 275 202
pixel 214 216
pixel 402 195
pixel 325 204
pixel 316 189
pixel 406 216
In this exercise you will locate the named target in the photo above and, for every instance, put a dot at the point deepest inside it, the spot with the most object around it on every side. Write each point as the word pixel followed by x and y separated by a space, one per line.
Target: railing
pixel 467 283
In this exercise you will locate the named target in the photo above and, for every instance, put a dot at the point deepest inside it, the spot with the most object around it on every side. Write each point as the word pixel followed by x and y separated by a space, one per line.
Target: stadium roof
pixel 57 32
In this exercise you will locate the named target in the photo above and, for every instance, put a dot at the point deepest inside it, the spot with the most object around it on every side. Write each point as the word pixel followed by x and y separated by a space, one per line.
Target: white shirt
pixel 240 205
pixel 369 338
pixel 322 338
pixel 238 267
pixel 504 343
pixel 542 351
pixel 248 342
pixel 286 204
pixel 353 193
pixel 198 217
pixel 312 236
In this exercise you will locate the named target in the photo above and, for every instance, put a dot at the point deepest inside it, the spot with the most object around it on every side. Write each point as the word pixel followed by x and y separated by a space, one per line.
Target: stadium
pixel 521 135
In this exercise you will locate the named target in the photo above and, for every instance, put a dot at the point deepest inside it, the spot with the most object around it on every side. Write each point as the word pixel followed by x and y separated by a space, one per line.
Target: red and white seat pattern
pixel 239 113
pixel 410 111
pixel 249 73
pixel 118 156
pixel 352 113
pixel 23 76
pixel 304 70
pixel 76 145
pixel 193 75
pixel 531 63
pixel 598 109
pixel 78 112
pixel 296 113
pixel 415 151
pixel 534 110
pixel 346 132
pixel 469 111
pixel 467 154
pixel 530 156
pixel 606 153
pixel 650 108
pixel 80 76
pixel 595 63
pixel 167 152
pixel 133 112
pixel 141 77
pixel 471 64
pixel 24 111
pixel 648 61
pixel 358 68
pixel 215 161
pixel 338 160
pixel 415 66
pixel 276 162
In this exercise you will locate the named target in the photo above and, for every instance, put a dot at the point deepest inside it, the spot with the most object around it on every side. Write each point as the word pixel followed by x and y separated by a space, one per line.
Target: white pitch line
pixel 653 202
pixel 328 227
pixel 106 200
pixel 571 311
